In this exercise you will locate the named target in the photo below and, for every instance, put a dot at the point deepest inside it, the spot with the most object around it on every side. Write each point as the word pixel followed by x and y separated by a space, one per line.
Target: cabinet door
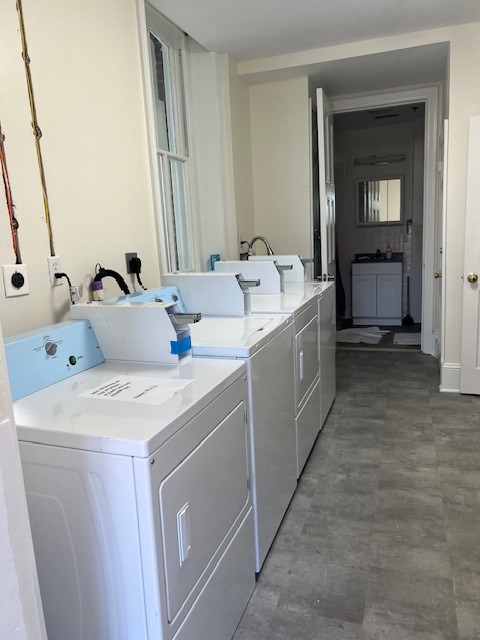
pixel 389 296
pixel 364 296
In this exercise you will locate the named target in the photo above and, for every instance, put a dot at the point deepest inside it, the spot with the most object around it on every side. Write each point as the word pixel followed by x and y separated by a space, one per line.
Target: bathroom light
pixel 379 159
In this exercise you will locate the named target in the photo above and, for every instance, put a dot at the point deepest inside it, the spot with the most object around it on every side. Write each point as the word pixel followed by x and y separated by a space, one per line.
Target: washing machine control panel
pixel 43 357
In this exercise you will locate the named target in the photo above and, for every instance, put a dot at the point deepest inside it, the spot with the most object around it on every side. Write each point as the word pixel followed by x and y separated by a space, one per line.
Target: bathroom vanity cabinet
pixel 377 293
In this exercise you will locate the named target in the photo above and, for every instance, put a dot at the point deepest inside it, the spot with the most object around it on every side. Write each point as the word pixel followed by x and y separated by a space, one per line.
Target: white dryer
pixel 137 479
pixel 265 344
pixel 303 308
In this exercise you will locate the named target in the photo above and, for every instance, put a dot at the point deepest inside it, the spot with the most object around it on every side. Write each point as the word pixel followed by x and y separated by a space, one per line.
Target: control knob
pixel 51 348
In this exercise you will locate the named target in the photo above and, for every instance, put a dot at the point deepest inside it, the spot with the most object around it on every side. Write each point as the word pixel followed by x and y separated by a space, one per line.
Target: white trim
pixel 450 377
pixel 428 95
pixel 444 235
pixel 149 127
pixel 310 268
pixel 226 151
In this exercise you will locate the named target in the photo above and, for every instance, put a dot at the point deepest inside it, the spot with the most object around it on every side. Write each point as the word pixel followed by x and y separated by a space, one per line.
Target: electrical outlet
pixel 54 266
pixel 128 257
pixel 15 280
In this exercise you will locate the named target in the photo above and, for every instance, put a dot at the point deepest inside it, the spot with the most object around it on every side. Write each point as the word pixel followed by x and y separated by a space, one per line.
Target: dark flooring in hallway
pixel 382 538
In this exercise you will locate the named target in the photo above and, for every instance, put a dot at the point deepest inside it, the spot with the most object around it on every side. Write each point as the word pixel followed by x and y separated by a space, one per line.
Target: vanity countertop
pixel 368 258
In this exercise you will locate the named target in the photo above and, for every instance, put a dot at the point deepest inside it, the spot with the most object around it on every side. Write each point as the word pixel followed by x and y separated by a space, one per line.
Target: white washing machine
pixel 137 479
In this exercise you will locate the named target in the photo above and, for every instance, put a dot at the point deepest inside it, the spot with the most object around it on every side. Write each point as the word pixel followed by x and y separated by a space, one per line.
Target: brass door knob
pixel 472 278
pixel 437 274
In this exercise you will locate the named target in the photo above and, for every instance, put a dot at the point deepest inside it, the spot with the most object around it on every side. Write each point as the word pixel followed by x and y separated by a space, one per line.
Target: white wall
pixel 463 101
pixel 279 114
pixel 242 154
pixel 211 149
pixel 353 239
pixel 86 73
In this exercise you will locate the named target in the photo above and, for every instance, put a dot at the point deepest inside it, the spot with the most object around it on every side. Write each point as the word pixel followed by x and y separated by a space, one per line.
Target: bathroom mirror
pixel 379 201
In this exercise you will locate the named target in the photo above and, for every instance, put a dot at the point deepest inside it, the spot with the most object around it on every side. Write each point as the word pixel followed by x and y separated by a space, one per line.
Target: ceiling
pixel 385 116
pixel 386 70
pixel 249 29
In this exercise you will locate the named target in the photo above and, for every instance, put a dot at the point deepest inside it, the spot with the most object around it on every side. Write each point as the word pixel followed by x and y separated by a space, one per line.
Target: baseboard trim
pixel 450 377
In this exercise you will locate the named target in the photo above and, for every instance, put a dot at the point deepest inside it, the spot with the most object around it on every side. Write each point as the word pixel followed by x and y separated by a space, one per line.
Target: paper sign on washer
pixel 138 389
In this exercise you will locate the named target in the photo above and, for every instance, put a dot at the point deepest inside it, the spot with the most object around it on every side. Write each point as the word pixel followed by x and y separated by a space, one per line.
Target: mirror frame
pixel 378 179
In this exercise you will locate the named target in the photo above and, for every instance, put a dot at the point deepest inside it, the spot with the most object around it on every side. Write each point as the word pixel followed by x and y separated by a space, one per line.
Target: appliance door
pixel 306 353
pixel 199 503
pixel 272 431
pixel 193 496
pixel 308 426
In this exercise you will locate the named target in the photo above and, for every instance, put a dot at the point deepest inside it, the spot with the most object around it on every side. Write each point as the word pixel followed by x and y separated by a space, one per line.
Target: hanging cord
pixel 103 273
pixel 37 132
pixel 9 198
pixel 75 292
pixel 136 267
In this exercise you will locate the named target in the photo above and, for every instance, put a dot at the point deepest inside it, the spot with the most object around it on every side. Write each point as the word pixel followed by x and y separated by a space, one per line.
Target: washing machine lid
pixel 123 408
pixel 289 302
pixel 308 288
pixel 235 337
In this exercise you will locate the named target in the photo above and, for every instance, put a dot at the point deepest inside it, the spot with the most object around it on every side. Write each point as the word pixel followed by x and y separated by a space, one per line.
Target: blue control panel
pixel 158 294
pixel 40 358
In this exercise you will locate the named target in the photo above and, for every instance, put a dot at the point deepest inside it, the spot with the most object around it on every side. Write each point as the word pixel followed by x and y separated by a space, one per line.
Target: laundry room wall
pixel 242 153
pixel 86 72
pixel 463 100
pixel 279 113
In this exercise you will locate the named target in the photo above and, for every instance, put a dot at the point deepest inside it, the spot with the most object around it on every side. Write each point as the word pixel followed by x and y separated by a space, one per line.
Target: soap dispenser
pixel 388 252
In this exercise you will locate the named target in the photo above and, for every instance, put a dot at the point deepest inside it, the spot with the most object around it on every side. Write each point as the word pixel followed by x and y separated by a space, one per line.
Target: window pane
pixel 162 93
pixel 174 205
pixel 179 206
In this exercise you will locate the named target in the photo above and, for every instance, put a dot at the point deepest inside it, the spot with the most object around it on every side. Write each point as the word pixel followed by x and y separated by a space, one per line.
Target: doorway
pixel 379 169
pixel 425 98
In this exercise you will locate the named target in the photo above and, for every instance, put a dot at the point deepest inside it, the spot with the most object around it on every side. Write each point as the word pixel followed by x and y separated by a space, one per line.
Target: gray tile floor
pixel 382 538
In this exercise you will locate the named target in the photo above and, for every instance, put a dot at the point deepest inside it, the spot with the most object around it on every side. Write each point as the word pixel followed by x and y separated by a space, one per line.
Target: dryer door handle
pixel 184 533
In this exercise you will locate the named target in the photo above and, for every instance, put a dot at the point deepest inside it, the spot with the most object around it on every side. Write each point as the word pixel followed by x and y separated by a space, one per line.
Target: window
pixel 165 48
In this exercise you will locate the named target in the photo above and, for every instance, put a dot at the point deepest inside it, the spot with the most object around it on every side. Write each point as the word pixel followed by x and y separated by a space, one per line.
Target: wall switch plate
pixel 128 257
pixel 54 266
pixel 15 280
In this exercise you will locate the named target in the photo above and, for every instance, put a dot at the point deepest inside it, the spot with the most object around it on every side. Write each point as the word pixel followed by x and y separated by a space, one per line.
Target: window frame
pixel 151 21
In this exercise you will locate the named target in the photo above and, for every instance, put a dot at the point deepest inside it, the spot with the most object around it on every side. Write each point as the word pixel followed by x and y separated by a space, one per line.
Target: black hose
pixel 104 273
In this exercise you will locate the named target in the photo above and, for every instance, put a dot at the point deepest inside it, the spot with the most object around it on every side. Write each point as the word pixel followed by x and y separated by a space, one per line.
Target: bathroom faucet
pixel 265 242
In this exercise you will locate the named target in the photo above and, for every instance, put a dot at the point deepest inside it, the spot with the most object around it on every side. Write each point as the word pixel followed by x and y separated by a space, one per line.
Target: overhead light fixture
pixel 379 159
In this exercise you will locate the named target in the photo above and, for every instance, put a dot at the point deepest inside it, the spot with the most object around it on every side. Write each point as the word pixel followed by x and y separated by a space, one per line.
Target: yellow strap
pixel 36 129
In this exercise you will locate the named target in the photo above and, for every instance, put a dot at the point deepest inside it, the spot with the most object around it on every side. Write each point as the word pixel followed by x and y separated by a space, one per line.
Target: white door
pixel 327 184
pixel 470 358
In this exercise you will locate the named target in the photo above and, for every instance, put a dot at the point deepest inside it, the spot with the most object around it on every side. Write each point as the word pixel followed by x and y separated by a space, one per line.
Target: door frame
pixel 430 97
